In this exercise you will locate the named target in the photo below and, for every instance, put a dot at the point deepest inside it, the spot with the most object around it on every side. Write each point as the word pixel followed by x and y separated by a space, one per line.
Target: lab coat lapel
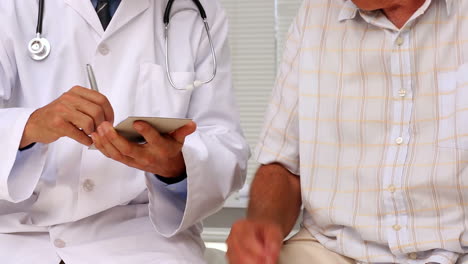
pixel 127 11
pixel 85 9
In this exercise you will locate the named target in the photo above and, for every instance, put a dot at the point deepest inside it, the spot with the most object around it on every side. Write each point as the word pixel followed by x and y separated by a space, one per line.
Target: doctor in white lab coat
pixel 61 201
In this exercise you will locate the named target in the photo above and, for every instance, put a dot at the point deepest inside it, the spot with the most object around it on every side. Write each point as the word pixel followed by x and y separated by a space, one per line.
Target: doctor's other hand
pixel 161 154
pixel 75 114
pixel 254 242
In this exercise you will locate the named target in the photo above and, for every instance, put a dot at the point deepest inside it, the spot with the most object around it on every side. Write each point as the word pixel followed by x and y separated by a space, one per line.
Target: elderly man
pixel 368 130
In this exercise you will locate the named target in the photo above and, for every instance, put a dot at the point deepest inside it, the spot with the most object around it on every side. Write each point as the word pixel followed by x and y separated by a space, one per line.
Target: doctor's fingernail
pixel 138 126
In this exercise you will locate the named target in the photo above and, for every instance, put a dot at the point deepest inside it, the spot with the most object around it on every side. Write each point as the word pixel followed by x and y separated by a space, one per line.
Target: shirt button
pixel 59 243
pixel 103 49
pixel 402 93
pixel 392 188
pixel 88 185
pixel 399 140
pixel 413 255
pixel 399 41
pixel 396 227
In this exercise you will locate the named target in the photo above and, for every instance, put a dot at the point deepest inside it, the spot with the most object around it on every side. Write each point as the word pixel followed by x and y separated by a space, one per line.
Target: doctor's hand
pixel 76 114
pixel 254 242
pixel 161 154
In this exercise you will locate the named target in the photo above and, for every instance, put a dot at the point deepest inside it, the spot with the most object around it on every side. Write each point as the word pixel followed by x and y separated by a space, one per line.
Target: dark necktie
pixel 103 12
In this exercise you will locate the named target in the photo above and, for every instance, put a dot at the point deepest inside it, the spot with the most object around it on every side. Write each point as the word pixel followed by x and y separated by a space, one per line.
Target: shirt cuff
pixel 173 179
pixel 178 188
pixel 27 147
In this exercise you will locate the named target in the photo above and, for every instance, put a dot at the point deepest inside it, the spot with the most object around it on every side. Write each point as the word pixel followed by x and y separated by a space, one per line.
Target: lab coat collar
pixel 88 13
pixel 127 11
pixel 349 9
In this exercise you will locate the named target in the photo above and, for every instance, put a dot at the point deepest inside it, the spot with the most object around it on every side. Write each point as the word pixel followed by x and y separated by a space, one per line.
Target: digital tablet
pixel 164 125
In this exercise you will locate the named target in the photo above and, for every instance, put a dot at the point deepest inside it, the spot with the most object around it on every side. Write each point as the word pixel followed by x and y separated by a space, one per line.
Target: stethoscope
pixel 39 47
pixel 196 83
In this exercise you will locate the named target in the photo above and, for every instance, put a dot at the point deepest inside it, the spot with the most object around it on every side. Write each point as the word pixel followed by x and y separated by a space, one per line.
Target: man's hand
pixel 76 114
pixel 161 155
pixel 274 206
pixel 254 242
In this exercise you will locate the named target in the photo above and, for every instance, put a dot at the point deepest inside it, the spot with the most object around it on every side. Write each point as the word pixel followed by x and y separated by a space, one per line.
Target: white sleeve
pixel 279 139
pixel 216 154
pixel 19 170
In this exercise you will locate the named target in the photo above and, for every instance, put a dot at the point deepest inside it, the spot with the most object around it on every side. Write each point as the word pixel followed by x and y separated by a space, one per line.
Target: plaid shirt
pixel 374 119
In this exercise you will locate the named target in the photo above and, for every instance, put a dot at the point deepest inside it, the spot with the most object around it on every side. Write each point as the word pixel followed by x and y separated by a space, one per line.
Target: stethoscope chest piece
pixel 39 48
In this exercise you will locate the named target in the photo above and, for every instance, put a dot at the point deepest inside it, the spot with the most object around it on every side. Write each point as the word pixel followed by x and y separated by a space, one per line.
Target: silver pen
pixel 92 78
pixel 93 84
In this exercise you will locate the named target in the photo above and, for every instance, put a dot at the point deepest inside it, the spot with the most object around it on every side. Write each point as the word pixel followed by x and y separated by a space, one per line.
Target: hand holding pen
pixel 75 114
pixel 161 155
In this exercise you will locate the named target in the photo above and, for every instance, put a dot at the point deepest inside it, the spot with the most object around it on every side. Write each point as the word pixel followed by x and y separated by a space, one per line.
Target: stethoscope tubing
pixel 166 20
pixel 39 48
pixel 167 12
pixel 40 17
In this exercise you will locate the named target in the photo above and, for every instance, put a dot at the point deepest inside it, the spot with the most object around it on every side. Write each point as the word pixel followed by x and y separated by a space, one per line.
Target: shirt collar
pixel 349 9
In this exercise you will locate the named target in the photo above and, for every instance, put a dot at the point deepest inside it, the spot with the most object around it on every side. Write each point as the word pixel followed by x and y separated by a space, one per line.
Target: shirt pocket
pixel 156 96
pixel 453 108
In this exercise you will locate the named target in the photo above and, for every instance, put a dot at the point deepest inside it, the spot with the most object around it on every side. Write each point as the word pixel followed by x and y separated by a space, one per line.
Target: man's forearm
pixel 275 196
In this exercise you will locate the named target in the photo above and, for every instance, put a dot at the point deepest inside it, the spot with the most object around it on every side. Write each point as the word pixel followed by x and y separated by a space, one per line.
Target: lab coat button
pixel 396 227
pixel 103 49
pixel 88 185
pixel 392 188
pixel 59 243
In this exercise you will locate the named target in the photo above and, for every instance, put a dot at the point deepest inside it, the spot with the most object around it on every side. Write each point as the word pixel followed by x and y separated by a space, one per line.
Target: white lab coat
pixel 62 200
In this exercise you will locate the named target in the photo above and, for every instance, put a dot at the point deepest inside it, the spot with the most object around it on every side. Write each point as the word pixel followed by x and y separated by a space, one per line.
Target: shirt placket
pixel 396 217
